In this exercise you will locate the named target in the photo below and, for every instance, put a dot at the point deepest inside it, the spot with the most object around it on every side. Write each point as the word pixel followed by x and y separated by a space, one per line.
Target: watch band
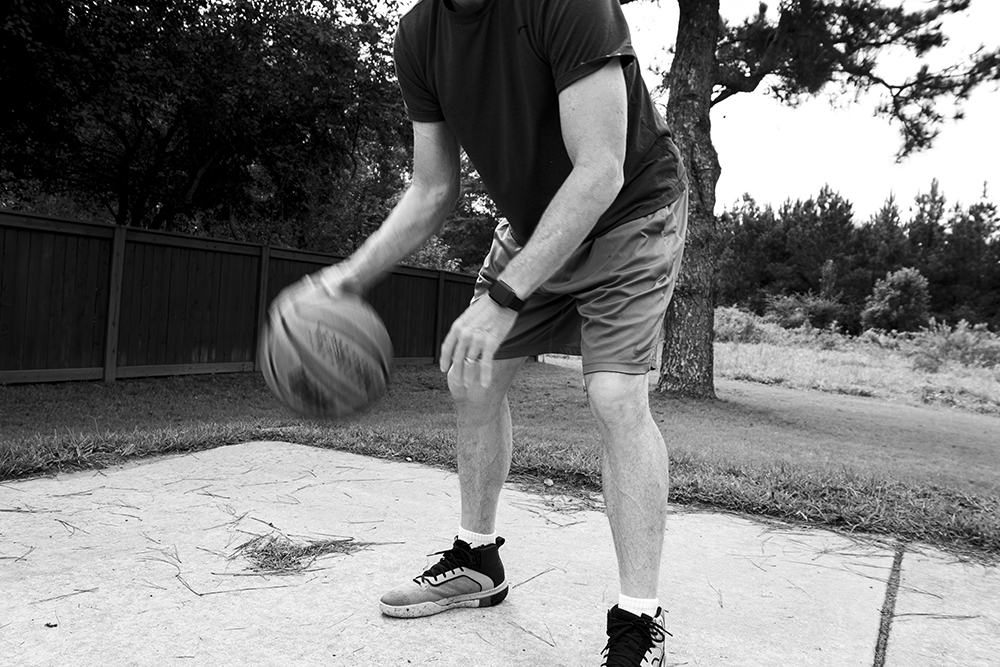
pixel 505 296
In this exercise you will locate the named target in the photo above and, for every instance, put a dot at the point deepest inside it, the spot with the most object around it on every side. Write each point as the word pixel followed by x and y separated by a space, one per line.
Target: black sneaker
pixel 464 577
pixel 634 641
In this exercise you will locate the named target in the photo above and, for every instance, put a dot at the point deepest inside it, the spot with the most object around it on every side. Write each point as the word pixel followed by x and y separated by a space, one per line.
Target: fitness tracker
pixel 505 297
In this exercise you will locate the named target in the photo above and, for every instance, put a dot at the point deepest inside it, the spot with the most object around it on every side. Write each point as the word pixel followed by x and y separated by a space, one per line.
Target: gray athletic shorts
pixel 607 301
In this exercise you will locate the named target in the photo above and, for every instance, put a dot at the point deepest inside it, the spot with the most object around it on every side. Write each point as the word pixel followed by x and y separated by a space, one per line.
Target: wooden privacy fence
pixel 84 301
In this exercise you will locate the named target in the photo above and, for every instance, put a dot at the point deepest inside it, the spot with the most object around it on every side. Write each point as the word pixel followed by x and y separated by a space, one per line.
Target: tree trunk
pixel 688 357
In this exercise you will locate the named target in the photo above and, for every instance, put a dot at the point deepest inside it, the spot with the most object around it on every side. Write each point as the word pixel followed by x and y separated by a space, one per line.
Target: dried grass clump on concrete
pixel 276 553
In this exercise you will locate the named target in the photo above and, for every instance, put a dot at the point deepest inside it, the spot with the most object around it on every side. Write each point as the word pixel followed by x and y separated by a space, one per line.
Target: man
pixel 547 100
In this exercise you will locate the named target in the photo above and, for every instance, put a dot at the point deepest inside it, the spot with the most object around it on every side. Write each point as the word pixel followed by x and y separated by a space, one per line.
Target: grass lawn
pixel 769 455
pixel 861 370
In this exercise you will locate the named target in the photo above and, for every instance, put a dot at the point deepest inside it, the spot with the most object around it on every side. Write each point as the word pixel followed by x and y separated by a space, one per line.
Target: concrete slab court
pixel 947 613
pixel 141 565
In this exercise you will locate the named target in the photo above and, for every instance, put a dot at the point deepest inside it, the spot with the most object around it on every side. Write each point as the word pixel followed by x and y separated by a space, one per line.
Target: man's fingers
pixel 456 352
pixel 470 371
pixel 485 372
pixel 486 364
pixel 469 358
pixel 448 349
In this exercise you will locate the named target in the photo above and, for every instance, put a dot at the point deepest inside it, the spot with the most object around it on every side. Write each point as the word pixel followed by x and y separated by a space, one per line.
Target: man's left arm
pixel 594 117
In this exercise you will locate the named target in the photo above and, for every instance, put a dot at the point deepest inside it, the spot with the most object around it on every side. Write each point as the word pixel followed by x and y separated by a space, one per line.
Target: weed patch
pixel 960 359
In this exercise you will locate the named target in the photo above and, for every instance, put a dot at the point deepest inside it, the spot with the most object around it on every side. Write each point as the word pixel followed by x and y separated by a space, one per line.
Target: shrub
pixel 887 340
pixel 809 336
pixel 964 344
pixel 733 325
pixel 897 303
pixel 433 254
pixel 829 338
pixel 792 311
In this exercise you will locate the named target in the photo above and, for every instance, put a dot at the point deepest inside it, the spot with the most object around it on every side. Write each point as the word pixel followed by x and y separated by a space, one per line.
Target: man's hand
pixel 474 337
pixel 334 280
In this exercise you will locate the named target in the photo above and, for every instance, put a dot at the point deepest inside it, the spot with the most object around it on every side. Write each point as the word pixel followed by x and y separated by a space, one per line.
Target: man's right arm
pixel 417 216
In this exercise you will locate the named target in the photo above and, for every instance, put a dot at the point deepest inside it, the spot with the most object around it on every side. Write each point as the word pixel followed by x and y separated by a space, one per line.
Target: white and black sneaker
pixel 464 577
pixel 634 641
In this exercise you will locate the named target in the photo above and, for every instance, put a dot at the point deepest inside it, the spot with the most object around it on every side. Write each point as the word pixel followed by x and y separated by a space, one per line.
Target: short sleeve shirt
pixel 494 76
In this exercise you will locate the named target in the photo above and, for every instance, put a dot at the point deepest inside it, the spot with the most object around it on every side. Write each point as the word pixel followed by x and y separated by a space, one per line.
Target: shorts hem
pixel 534 351
pixel 625 368
pixel 614 367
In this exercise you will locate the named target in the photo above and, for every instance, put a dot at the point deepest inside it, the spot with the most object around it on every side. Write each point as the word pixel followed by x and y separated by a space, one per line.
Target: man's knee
pixel 474 398
pixel 618 400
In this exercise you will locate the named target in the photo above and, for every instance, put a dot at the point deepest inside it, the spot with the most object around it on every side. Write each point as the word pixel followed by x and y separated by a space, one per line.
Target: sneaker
pixel 464 577
pixel 634 641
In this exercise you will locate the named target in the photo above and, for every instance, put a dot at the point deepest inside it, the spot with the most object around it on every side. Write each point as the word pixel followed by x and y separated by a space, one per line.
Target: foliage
pixel 433 254
pixel 27 194
pixel 468 231
pixel 468 240
pixel 779 261
pixel 956 367
pixel 752 255
pixel 939 344
pixel 733 325
pixel 804 45
pixel 818 230
pixel 272 120
pixel 931 347
pixel 797 310
pixel 898 303
pixel 800 251
pixel 963 344
pixel 965 283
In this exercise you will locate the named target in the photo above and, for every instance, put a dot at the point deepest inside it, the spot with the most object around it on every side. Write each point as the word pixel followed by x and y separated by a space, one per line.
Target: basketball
pixel 324 356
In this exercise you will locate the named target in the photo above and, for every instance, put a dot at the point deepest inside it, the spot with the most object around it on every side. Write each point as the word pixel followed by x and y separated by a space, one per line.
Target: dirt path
pixel 864 433
pixel 867 434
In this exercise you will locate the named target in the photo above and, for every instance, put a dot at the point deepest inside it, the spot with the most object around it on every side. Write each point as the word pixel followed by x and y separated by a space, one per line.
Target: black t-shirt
pixel 494 76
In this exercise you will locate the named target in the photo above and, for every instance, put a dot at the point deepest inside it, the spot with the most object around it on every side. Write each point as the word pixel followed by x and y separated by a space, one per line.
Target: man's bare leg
pixel 635 477
pixel 484 444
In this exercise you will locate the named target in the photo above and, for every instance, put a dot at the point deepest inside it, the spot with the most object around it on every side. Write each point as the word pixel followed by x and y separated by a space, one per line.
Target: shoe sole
pixel 489 598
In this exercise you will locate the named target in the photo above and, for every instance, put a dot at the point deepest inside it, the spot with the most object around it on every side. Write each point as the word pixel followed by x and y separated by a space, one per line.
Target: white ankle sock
pixel 476 539
pixel 639 606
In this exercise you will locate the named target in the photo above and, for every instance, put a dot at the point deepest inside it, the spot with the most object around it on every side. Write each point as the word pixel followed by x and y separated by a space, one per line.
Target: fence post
pixel 438 319
pixel 263 276
pixel 114 304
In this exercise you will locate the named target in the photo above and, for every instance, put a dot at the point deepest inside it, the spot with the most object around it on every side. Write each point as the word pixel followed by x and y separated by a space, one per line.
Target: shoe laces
pixel 460 555
pixel 637 634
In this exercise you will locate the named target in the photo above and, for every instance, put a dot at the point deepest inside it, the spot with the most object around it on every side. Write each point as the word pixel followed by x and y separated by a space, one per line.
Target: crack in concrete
pixel 889 606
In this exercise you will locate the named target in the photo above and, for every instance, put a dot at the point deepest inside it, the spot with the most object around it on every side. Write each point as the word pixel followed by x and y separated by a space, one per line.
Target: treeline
pixel 811 261
pixel 262 120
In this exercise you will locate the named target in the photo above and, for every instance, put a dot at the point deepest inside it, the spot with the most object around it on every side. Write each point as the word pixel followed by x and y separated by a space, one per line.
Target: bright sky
pixel 777 153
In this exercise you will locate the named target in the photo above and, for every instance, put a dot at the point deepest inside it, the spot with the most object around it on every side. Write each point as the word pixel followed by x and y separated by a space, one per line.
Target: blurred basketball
pixel 324 356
